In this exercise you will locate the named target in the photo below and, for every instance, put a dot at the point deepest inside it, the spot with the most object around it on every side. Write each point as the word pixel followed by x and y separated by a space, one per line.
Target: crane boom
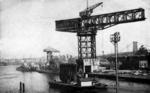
pixel 107 20
pixel 89 10
pixel 102 21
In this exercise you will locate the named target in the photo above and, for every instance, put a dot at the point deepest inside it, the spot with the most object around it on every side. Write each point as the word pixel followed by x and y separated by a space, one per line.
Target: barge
pixel 73 79
pixel 75 86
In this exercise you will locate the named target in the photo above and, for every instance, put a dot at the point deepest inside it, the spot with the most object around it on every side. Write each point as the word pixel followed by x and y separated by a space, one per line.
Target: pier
pixel 123 77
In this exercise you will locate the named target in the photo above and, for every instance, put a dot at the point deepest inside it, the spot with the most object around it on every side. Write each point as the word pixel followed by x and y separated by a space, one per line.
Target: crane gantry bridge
pixel 86 26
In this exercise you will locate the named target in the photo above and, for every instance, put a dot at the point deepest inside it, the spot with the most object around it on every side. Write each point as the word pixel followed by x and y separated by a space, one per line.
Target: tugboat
pixel 72 78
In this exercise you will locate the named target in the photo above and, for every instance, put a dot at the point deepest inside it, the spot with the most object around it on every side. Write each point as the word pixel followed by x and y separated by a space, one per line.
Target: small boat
pixel 73 80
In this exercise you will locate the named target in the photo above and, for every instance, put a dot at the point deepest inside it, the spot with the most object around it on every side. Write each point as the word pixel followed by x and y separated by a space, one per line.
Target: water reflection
pixel 38 83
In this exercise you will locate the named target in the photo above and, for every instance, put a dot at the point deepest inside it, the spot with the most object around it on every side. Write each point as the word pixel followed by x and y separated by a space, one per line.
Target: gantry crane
pixel 86 27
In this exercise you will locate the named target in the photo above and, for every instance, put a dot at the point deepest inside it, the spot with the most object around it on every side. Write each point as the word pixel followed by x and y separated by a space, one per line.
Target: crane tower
pixel 86 26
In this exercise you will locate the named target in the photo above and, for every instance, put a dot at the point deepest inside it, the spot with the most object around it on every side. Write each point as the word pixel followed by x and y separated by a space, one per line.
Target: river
pixel 38 83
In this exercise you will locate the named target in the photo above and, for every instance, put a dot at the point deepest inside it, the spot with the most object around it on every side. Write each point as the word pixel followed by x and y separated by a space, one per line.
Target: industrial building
pixel 137 59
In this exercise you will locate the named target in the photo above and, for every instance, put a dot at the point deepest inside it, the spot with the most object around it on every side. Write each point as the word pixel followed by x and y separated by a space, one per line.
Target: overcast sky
pixel 28 26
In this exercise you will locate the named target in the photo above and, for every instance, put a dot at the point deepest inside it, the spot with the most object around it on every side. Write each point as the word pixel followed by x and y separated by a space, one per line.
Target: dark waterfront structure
pixel 67 72
pixel 132 60
pixel 135 62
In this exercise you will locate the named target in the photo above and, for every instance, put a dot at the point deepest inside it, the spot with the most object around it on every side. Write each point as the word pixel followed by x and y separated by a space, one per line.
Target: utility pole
pixel 115 38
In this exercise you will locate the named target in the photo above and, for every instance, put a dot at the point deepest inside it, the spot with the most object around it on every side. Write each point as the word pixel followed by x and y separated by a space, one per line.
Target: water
pixel 34 82
pixel 38 83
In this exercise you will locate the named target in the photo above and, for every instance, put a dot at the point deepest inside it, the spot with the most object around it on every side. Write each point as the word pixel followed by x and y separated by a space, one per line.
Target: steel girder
pixel 100 21
pixel 86 29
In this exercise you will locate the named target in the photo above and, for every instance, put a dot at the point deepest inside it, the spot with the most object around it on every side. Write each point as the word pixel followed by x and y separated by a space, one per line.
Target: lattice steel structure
pixel 86 28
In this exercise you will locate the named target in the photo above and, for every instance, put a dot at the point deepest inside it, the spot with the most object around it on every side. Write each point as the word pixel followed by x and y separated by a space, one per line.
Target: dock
pixel 126 77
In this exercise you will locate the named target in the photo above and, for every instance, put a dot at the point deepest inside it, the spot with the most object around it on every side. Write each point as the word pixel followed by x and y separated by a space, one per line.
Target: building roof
pixel 50 49
pixel 123 54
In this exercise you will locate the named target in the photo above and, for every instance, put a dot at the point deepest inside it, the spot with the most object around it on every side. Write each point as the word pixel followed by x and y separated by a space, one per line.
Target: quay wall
pixel 132 78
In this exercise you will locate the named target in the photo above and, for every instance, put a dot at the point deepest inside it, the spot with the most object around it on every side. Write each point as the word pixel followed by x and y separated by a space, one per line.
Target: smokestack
pixel 135 47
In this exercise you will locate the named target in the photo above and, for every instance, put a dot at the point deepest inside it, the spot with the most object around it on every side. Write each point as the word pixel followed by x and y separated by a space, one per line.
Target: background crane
pixel 86 27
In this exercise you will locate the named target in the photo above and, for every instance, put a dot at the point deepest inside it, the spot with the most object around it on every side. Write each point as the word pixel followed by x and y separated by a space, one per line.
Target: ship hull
pixel 65 86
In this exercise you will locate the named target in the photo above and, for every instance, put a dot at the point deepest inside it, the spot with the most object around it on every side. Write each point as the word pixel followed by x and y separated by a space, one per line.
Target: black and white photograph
pixel 74 46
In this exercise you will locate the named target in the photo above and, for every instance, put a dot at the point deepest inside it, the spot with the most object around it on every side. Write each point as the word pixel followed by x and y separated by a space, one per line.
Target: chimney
pixel 135 47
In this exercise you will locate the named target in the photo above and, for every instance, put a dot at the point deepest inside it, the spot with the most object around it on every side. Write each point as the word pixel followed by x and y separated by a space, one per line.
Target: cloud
pixel 28 26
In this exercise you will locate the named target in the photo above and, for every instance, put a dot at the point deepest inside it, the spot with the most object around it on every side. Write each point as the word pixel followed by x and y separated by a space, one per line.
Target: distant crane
pixel 86 26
